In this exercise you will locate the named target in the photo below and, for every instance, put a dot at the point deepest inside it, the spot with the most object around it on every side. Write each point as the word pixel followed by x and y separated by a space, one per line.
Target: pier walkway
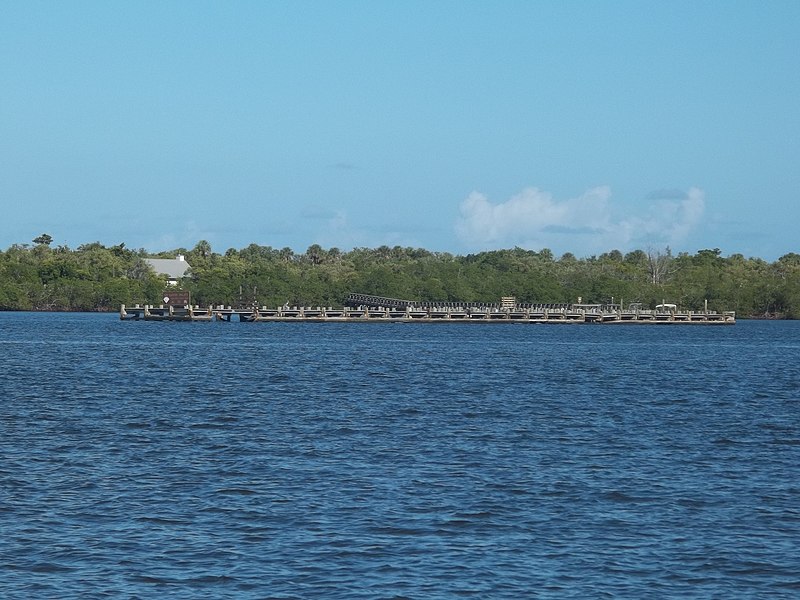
pixel 428 313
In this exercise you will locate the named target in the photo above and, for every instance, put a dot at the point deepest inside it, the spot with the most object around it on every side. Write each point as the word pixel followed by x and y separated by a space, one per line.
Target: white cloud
pixel 585 224
pixel 690 213
pixel 530 213
pixel 667 221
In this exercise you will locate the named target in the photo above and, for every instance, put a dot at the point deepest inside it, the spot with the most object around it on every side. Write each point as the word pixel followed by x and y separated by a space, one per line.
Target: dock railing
pixel 444 312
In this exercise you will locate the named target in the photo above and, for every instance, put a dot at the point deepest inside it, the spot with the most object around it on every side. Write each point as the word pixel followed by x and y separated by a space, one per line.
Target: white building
pixel 173 268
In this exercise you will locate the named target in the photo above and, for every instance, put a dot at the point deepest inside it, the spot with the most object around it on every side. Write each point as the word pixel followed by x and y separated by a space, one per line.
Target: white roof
pixel 171 267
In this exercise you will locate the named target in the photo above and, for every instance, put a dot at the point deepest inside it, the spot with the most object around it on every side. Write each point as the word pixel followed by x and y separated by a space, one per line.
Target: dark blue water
pixel 227 460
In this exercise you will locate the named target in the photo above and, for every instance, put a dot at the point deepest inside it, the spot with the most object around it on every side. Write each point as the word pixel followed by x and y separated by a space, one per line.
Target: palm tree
pixel 202 249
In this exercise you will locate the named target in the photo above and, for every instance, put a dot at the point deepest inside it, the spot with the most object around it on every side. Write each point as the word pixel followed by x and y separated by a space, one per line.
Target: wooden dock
pixel 429 313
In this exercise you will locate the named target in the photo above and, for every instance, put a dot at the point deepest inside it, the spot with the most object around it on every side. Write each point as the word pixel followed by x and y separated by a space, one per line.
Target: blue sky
pixel 463 126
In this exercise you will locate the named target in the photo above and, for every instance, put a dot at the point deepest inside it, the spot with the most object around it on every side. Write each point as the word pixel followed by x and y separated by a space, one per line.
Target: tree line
pixel 95 277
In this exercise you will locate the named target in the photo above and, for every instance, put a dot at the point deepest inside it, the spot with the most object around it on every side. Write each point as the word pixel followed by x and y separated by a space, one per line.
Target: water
pixel 227 460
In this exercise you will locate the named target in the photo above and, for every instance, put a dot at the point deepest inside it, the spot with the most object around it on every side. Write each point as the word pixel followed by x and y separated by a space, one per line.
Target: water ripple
pixel 397 462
